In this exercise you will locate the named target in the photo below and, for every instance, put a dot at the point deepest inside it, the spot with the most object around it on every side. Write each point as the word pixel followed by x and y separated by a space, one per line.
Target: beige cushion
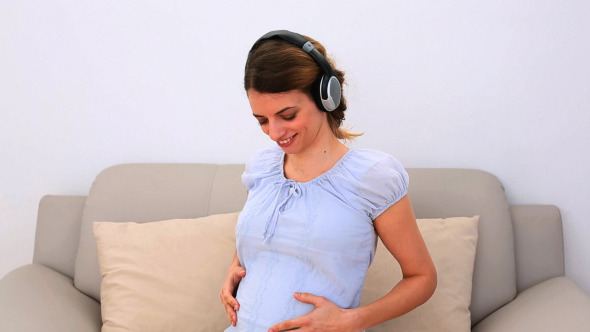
pixel 152 192
pixel 164 275
pixel 452 243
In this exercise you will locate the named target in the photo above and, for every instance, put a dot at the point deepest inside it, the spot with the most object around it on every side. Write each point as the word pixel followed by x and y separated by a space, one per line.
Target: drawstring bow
pixel 287 190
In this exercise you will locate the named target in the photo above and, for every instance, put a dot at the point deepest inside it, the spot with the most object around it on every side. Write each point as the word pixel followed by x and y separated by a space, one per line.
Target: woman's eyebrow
pixel 277 113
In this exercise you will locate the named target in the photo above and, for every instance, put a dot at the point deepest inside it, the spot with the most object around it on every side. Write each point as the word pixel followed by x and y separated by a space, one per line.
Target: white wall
pixel 502 86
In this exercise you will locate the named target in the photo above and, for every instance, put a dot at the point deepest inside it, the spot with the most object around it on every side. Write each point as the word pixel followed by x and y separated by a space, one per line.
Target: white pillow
pixel 165 275
pixel 451 243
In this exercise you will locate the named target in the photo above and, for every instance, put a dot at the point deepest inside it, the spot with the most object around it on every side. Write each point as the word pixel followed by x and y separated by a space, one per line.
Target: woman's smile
pixel 286 142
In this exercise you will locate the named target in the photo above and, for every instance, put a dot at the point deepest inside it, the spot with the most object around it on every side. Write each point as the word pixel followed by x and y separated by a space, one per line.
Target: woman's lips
pixel 286 142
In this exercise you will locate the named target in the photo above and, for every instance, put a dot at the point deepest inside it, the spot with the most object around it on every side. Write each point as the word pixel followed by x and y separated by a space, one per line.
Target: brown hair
pixel 277 66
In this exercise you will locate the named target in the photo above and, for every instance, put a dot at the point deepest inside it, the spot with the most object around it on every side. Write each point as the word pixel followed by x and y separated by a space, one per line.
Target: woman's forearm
pixel 409 293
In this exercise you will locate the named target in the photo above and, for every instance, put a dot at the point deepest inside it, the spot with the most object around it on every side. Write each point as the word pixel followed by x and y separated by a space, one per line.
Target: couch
pixel 518 279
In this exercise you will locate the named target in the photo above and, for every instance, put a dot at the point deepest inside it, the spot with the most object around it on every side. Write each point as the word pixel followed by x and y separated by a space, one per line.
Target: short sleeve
pixel 386 183
pixel 371 181
pixel 263 164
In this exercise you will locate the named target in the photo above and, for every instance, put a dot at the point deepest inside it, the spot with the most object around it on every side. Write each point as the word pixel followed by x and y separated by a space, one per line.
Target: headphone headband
pixel 329 94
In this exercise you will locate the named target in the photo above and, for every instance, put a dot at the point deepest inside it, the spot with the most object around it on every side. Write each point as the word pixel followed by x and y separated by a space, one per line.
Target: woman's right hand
pixel 228 291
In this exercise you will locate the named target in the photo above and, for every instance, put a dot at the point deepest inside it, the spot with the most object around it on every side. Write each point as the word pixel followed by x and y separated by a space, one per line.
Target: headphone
pixel 327 90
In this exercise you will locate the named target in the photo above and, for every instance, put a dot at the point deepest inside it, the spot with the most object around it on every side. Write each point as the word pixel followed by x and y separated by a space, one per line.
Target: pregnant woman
pixel 308 231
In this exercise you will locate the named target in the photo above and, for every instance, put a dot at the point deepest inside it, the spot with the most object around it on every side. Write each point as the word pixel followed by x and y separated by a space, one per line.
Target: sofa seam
pixel 211 190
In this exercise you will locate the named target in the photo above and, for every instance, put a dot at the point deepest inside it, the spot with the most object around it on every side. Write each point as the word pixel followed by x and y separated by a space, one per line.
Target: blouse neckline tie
pixel 288 189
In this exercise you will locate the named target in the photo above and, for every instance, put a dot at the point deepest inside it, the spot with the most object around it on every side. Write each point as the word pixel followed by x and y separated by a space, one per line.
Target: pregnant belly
pixel 266 295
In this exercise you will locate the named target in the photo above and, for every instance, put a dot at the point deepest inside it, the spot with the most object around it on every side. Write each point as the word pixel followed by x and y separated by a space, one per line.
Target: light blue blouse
pixel 315 237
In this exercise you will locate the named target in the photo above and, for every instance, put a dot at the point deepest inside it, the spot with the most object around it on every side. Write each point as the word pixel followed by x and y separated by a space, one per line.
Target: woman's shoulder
pixel 264 163
pixel 373 179
pixel 368 162
pixel 267 157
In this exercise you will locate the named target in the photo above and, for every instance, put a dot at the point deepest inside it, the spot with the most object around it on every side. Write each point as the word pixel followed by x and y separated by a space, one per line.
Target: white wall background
pixel 502 86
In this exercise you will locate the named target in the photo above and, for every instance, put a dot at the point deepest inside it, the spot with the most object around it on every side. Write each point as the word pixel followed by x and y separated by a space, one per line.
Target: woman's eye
pixel 289 118
pixel 262 122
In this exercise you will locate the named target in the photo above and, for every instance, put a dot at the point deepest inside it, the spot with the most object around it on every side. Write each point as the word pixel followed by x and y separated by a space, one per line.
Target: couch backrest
pixel 58 231
pixel 151 192
pixel 443 193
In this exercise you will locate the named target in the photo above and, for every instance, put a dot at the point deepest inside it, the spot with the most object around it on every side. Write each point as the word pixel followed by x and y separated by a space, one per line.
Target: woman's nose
pixel 275 130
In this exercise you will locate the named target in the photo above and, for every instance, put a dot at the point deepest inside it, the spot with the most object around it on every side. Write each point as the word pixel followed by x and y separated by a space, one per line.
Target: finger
pixel 241 273
pixel 228 299
pixel 309 298
pixel 231 314
pixel 288 325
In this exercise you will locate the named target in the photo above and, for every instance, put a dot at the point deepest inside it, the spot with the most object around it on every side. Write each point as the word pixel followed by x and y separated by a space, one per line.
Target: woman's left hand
pixel 326 316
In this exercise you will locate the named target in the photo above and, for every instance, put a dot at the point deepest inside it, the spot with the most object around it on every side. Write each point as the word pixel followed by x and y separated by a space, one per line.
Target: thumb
pixel 308 298
pixel 238 275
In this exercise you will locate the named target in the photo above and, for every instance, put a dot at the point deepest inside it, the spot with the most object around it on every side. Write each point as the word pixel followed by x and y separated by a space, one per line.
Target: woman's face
pixel 292 119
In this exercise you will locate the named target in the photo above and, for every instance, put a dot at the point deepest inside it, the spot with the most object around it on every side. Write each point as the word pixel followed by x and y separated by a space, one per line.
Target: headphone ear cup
pixel 332 100
pixel 328 93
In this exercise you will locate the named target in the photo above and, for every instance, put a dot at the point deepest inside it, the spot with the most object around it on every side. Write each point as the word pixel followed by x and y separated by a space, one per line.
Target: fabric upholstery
pixel 121 195
pixel 556 304
pixel 57 233
pixel 538 244
pixel 227 192
pixel 37 298
pixel 149 192
pixel 121 192
pixel 152 192
pixel 165 275
pixel 443 193
pixel 451 243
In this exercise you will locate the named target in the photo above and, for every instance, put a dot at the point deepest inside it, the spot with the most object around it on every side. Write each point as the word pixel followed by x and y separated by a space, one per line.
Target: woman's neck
pixel 315 160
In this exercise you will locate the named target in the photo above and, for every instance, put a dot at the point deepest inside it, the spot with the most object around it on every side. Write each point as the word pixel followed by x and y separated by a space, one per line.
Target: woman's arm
pixel 399 232
pixel 235 274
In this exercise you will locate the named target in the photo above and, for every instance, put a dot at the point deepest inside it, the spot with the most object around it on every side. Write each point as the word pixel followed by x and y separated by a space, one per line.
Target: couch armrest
pixel 58 232
pixel 538 244
pixel 557 304
pixel 35 298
